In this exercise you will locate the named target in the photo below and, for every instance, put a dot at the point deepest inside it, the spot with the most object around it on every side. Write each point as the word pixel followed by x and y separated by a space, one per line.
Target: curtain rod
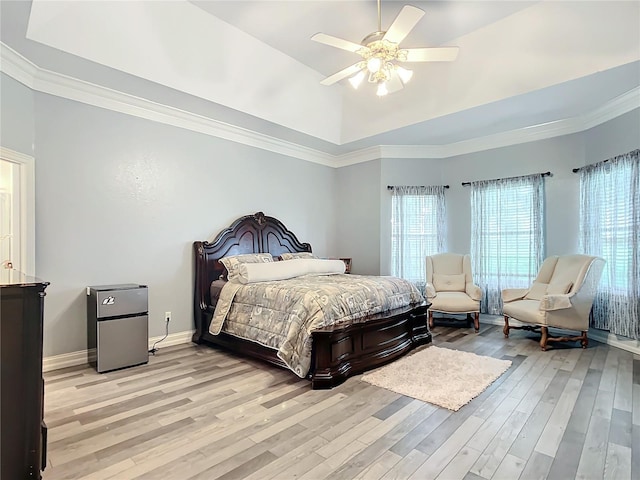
pixel 632 152
pixel 391 187
pixel 576 170
pixel 545 174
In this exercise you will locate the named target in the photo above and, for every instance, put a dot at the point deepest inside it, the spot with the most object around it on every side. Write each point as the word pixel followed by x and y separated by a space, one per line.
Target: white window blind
pixel 507 240
pixel 418 229
pixel 610 228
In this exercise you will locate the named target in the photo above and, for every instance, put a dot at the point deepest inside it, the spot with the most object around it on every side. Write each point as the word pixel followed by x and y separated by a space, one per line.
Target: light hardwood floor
pixel 198 413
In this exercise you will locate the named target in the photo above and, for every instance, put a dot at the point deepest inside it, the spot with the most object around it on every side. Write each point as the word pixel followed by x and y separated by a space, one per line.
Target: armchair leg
pixel 430 319
pixel 584 341
pixel 546 338
pixel 476 321
pixel 543 339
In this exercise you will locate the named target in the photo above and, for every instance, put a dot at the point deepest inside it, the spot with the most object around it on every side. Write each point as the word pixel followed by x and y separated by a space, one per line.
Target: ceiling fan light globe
pixel 404 74
pixel 357 79
pixel 374 64
pixel 382 89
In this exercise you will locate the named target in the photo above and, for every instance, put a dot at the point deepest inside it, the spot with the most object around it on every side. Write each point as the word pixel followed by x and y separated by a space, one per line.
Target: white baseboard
pixel 177 338
pixel 82 357
pixel 602 336
pixel 72 359
pixel 497 320
pixel 623 343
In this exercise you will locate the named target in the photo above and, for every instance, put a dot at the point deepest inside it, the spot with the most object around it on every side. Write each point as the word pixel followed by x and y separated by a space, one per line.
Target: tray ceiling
pixel 254 65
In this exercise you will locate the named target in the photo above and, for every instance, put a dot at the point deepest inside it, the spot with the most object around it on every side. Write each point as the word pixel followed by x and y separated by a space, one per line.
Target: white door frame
pixel 26 164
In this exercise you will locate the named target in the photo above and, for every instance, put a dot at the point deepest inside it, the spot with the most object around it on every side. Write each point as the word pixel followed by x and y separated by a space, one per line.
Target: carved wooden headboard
pixel 255 233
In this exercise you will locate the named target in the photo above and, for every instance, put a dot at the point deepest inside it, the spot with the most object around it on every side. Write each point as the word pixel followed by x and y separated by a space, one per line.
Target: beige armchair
pixel 450 288
pixel 561 297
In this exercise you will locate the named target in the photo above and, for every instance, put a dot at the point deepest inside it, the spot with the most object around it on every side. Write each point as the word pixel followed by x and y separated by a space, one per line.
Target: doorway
pixel 17 211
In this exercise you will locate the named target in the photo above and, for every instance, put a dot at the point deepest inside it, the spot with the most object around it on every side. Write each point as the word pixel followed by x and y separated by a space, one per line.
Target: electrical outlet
pixel 167 316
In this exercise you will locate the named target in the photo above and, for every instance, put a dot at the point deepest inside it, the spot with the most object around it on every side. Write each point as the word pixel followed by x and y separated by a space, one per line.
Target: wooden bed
pixel 338 352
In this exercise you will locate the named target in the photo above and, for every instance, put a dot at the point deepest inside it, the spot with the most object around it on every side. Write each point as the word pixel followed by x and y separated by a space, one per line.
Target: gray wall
pixel 558 155
pixel 618 136
pixel 562 190
pixel 16 116
pixel 121 199
pixel 357 216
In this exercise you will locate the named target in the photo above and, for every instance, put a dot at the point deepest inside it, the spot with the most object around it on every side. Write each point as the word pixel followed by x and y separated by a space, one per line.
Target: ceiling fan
pixel 381 52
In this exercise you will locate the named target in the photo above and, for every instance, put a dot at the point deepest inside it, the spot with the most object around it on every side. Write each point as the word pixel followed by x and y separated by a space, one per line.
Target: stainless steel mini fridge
pixel 117 326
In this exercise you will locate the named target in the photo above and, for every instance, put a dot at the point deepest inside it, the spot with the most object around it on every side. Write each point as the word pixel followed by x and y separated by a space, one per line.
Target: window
pixel 418 229
pixel 610 228
pixel 507 241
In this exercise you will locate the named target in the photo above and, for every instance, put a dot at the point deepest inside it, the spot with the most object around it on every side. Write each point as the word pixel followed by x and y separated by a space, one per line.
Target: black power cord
pixel 154 349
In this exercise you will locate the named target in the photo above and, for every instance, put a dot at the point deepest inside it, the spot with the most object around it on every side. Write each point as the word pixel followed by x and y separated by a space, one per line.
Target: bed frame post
pixel 199 297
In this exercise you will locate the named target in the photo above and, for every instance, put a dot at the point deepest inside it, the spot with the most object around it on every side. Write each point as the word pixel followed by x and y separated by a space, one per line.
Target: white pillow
pixel 292 256
pixel 265 272
pixel 449 283
pixel 537 291
pixel 233 262
pixel 555 288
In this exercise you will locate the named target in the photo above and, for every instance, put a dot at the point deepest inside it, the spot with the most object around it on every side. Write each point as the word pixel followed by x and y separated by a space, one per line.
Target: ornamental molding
pixel 46 81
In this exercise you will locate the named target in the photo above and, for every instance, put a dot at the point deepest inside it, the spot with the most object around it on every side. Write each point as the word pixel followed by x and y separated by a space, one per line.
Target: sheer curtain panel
pixel 610 228
pixel 507 235
pixel 418 229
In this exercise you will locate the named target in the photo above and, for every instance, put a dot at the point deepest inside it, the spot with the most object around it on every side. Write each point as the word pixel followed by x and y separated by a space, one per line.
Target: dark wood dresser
pixel 23 432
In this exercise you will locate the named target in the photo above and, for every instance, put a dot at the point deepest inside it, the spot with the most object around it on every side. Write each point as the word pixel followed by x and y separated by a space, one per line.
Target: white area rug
pixel 442 376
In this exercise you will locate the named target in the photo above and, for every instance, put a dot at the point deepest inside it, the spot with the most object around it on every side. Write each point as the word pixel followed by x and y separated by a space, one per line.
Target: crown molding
pixel 16 66
pixel 57 84
pixel 358 156
pixel 47 81
pixel 18 157
pixel 618 106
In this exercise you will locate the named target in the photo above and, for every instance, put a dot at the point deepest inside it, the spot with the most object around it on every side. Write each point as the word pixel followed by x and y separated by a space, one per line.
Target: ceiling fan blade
pixel 347 72
pixel 337 42
pixel 408 17
pixel 394 83
pixel 436 54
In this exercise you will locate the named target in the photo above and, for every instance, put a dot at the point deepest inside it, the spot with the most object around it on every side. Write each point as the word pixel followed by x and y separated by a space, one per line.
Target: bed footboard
pixel 341 352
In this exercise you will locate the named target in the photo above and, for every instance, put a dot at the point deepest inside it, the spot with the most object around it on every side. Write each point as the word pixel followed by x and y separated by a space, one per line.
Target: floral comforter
pixel 282 314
